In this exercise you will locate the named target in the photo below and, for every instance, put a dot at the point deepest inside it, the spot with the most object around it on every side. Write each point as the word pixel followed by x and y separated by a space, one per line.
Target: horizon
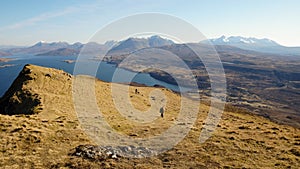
pixel 174 40
pixel 24 23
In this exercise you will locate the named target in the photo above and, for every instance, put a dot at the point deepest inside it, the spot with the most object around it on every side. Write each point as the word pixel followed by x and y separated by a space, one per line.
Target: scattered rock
pixel 275 128
pixel 283 138
pixel 231 138
pixel 231 132
pixel 16 129
pixel 100 153
pixel 295 152
pixel 48 75
pixel 244 127
pixel 33 139
pixel 133 135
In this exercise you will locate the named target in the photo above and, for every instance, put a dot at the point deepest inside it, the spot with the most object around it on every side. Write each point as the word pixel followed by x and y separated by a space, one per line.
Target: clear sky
pixel 27 22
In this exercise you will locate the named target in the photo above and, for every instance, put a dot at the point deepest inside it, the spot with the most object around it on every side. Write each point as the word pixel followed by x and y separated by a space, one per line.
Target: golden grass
pixel 44 140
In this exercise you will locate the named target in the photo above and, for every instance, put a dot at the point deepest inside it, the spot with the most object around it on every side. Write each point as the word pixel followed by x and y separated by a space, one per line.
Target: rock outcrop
pixel 26 94
pixel 19 99
pixel 100 153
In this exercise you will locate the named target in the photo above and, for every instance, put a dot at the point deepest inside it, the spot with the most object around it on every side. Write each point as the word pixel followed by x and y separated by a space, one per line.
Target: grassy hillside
pixel 44 135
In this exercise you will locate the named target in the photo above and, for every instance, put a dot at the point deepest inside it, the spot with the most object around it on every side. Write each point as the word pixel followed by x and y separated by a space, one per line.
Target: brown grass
pixel 45 139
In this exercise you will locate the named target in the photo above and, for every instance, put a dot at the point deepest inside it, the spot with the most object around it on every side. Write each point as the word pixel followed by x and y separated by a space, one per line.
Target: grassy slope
pixel 45 139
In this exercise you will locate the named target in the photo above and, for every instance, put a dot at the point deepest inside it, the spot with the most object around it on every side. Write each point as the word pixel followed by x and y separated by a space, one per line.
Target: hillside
pixel 267 85
pixel 61 52
pixel 45 133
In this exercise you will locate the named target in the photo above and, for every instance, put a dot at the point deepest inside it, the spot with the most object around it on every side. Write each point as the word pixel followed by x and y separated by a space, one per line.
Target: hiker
pixel 161 111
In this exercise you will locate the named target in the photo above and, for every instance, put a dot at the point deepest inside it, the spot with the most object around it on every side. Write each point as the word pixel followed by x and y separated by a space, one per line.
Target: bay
pixel 105 71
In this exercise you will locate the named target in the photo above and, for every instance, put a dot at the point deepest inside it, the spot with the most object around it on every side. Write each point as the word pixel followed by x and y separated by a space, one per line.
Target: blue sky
pixel 30 21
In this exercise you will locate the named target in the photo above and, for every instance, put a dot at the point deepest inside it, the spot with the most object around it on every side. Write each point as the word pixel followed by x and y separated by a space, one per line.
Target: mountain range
pixel 236 43
pixel 64 49
pixel 260 45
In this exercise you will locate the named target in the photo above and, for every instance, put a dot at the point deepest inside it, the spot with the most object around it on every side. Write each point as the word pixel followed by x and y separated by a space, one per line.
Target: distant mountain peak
pixel 134 43
pixel 44 43
pixel 157 37
pixel 40 43
pixel 156 40
pixel 263 45
pixel 110 43
pixel 234 40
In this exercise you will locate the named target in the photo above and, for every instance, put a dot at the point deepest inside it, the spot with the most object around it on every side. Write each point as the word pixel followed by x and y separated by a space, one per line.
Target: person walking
pixel 161 111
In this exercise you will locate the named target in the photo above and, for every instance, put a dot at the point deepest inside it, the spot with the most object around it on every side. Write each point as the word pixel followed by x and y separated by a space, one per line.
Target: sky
pixel 25 23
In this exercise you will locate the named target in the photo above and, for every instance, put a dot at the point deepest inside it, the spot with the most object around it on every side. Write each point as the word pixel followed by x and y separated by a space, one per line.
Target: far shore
pixel 69 61
pixel 5 59
pixel 7 65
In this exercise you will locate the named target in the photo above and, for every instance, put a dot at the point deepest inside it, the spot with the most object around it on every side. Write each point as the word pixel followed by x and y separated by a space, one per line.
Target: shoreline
pixel 5 59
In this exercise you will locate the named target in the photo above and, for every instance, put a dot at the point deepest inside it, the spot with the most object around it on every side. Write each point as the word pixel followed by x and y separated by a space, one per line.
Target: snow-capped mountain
pixel 132 44
pixel 239 40
pixel 260 45
pixel 236 43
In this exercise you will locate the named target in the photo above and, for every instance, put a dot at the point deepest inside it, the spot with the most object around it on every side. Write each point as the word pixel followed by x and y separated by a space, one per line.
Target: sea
pixel 105 71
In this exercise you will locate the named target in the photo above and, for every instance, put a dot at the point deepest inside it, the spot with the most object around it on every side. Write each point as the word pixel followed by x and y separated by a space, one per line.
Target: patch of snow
pixel 244 41
pixel 225 39
pixel 248 41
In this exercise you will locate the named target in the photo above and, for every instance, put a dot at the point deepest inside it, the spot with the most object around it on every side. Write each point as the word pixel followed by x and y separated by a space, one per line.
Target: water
pixel 105 71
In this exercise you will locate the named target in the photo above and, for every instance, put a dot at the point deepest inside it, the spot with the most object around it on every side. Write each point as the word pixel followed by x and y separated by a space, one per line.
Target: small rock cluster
pixel 101 153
